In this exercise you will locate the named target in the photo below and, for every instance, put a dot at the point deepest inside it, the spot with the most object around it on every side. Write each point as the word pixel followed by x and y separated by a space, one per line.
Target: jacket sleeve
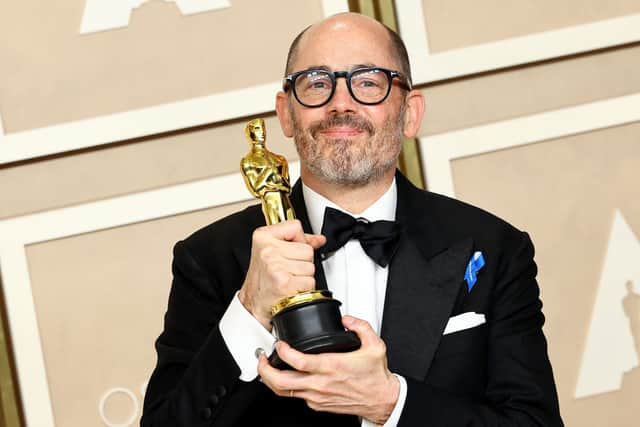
pixel 520 390
pixel 196 380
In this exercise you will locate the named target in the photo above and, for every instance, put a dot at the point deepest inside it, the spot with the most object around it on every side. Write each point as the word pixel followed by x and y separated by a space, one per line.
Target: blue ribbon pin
pixel 475 264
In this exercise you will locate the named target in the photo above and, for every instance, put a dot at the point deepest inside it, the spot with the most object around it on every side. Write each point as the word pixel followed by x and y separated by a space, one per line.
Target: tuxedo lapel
pixel 425 277
pixel 297 200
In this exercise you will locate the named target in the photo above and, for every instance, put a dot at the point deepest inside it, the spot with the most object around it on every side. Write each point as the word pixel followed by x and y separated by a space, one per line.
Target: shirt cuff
pixel 393 419
pixel 244 336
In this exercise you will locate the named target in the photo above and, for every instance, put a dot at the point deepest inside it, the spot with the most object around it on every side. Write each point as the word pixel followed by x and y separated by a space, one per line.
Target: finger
pixel 280 382
pixel 363 329
pixel 299 268
pixel 297 284
pixel 290 230
pixel 296 233
pixel 315 240
pixel 296 250
pixel 301 362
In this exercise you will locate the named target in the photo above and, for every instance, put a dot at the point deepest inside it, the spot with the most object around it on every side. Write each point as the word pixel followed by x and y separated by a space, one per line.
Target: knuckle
pixel 379 349
pixel 266 253
pixel 307 252
pixel 301 364
pixel 278 385
pixel 259 234
pixel 322 385
pixel 313 405
pixel 311 269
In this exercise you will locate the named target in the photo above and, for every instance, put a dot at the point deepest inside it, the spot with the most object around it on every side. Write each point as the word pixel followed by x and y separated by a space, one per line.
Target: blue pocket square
pixel 475 264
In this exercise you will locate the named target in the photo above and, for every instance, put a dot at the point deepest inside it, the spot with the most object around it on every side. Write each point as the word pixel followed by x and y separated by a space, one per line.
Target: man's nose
pixel 342 101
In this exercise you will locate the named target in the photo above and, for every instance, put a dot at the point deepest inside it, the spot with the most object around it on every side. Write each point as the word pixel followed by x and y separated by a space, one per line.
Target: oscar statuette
pixel 309 321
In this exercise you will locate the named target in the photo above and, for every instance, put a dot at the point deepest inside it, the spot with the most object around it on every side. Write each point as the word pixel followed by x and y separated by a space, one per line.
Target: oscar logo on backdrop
pixel 101 15
pixel 613 340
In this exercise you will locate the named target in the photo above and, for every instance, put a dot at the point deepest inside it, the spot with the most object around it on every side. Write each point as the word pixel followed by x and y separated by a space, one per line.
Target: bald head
pixel 341 25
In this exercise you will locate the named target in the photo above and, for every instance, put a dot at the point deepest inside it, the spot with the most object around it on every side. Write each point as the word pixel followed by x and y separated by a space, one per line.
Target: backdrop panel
pixel 123 169
pixel 566 193
pixel 98 321
pixel 455 24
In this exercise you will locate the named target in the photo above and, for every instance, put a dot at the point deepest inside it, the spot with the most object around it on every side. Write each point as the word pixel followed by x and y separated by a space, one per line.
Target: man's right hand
pixel 281 265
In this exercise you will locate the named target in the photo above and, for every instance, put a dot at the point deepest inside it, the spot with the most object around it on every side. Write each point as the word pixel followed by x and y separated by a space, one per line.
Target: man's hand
pixel 281 265
pixel 357 383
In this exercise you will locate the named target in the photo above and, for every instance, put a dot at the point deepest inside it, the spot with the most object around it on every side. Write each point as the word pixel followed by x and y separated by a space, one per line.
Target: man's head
pixel 346 142
pixel 398 49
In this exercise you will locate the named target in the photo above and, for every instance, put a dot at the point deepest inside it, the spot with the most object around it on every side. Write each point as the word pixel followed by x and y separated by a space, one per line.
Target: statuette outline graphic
pixel 610 350
pixel 102 15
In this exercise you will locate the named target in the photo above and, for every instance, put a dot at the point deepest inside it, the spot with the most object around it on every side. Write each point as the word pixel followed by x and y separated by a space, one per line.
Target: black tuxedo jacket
pixel 495 374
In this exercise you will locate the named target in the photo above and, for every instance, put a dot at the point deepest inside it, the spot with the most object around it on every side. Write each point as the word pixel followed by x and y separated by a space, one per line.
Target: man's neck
pixel 353 199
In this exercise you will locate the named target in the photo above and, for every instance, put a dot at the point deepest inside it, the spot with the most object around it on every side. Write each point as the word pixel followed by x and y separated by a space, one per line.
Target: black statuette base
pixel 312 327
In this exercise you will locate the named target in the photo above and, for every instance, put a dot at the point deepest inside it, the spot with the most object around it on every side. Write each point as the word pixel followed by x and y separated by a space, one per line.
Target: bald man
pixel 449 318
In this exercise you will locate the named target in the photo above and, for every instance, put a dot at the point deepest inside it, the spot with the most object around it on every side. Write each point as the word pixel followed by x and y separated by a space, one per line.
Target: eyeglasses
pixel 368 86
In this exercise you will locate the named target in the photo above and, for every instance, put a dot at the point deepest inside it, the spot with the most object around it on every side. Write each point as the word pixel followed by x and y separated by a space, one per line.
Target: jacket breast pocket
pixel 471 340
pixel 460 362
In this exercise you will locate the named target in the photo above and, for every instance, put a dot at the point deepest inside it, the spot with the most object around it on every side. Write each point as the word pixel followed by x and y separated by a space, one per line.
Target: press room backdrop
pixel 121 129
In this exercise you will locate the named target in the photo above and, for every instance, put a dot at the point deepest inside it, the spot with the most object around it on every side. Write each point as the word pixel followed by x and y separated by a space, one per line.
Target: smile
pixel 341 131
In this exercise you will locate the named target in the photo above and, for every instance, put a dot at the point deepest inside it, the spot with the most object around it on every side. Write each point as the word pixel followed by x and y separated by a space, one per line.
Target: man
pixel 347 101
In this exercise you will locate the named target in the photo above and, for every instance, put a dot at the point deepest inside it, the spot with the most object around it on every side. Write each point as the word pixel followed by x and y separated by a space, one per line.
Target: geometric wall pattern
pixel 117 142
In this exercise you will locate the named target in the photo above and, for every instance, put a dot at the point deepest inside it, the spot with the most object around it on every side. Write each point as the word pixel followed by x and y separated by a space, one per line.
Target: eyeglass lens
pixel 316 86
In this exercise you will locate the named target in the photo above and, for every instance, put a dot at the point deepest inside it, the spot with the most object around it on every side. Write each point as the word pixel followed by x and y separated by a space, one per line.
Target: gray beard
pixel 346 165
pixel 343 167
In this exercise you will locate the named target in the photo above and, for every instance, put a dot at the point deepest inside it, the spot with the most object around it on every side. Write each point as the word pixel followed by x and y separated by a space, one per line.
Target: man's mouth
pixel 341 132
pixel 343 126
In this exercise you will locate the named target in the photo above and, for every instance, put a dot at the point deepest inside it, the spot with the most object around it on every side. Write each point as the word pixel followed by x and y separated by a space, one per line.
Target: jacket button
pixel 213 400
pixel 206 413
pixel 221 391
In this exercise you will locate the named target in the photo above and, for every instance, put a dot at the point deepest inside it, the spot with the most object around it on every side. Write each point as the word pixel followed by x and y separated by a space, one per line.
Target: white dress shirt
pixel 353 278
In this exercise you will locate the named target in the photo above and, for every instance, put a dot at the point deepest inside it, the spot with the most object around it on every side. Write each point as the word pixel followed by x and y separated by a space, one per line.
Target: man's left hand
pixel 357 383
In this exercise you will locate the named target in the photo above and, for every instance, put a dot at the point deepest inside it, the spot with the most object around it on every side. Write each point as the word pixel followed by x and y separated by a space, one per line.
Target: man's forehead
pixel 343 42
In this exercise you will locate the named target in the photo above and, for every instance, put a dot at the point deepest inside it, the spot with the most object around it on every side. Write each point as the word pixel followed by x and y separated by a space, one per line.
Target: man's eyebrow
pixel 369 65
pixel 318 67
pixel 352 67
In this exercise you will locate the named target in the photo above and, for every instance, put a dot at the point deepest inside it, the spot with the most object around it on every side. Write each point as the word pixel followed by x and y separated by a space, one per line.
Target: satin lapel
pixel 425 277
pixel 420 296
pixel 297 200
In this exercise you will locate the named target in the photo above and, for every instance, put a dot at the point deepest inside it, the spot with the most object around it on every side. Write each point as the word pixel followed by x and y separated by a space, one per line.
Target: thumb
pixel 315 240
pixel 362 328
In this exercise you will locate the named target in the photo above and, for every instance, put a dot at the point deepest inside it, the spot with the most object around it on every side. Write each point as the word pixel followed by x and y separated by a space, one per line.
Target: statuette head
pixel 255 131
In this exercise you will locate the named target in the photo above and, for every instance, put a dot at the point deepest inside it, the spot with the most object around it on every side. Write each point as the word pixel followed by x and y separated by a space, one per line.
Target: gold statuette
pixel 309 321
pixel 267 175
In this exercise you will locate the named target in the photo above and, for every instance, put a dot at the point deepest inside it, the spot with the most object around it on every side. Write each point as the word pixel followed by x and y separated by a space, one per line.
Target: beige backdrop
pixel 565 192
pixel 99 296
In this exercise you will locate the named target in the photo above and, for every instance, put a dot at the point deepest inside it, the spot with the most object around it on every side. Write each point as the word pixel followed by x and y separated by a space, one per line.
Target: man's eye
pixel 367 83
pixel 318 84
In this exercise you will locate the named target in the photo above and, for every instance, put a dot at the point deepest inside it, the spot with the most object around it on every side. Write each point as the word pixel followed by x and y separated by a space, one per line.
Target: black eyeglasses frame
pixel 290 80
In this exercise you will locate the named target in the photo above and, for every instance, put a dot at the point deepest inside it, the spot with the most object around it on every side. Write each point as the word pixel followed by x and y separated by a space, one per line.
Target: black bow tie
pixel 379 239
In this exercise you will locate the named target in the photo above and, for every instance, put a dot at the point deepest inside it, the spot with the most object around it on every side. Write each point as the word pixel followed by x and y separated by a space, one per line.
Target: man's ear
pixel 282 109
pixel 414 109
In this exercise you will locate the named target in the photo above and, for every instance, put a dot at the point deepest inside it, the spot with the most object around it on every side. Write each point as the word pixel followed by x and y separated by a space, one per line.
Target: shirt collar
pixel 382 209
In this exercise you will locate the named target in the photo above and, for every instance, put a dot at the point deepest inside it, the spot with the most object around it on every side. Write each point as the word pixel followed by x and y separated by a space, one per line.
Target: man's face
pixel 345 142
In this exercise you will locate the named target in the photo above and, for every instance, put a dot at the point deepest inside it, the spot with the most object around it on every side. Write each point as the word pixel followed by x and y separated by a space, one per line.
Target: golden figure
pixel 266 175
